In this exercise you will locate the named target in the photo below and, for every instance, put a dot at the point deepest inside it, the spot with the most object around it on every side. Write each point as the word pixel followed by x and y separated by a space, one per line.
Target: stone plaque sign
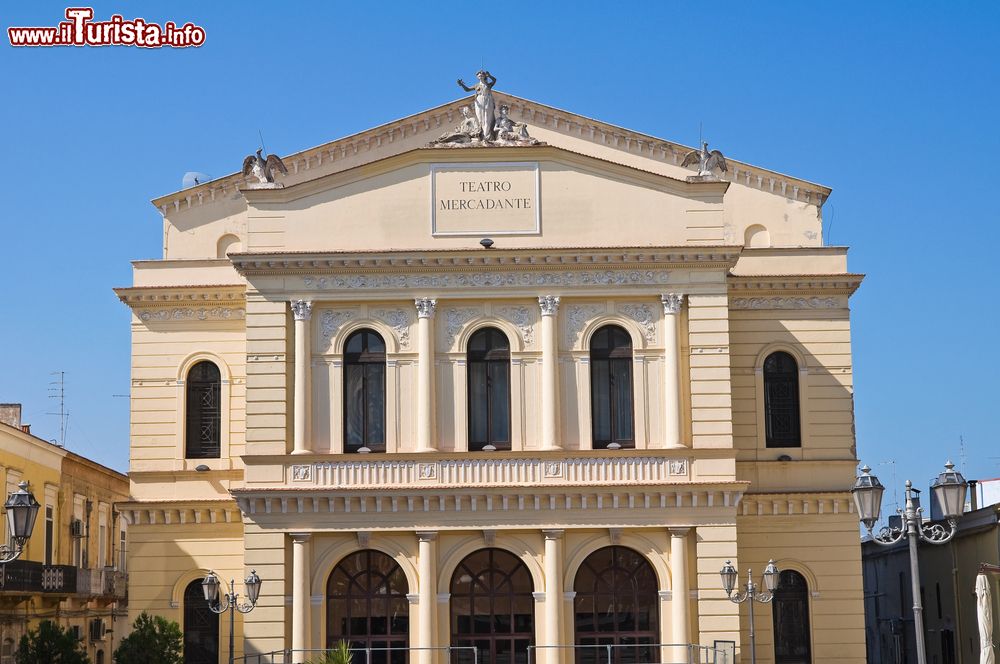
pixel 485 199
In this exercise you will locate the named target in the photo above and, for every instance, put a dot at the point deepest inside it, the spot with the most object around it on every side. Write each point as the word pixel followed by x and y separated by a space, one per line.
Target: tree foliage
pixel 154 640
pixel 50 644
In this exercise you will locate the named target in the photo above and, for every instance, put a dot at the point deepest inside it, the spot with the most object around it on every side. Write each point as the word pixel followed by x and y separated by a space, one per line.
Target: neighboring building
pixel 419 439
pixel 947 583
pixel 73 568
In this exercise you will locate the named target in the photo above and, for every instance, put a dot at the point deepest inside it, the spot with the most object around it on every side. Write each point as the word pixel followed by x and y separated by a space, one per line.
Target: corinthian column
pixel 300 597
pixel 427 571
pixel 680 600
pixel 301 312
pixel 549 305
pixel 425 373
pixel 553 593
pixel 671 370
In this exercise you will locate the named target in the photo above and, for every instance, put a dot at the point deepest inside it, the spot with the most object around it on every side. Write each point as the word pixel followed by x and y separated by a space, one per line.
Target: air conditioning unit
pixel 98 629
pixel 76 528
pixel 76 632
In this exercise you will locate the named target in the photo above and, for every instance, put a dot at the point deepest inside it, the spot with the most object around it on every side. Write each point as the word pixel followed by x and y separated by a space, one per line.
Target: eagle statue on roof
pixel 707 161
pixel 263 168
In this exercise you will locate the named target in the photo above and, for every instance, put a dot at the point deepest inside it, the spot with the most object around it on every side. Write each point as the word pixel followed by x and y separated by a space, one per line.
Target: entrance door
pixel 791 619
pixel 492 608
pixel 201 627
pixel 616 608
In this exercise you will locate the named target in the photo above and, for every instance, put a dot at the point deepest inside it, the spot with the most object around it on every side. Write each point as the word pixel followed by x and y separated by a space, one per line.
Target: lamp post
pixel 949 489
pixel 22 509
pixel 750 594
pixel 230 601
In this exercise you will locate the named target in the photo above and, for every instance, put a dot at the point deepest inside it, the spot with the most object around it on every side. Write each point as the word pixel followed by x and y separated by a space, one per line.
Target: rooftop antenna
pixel 700 139
pixel 262 146
pixel 895 488
pixel 962 456
pixel 57 390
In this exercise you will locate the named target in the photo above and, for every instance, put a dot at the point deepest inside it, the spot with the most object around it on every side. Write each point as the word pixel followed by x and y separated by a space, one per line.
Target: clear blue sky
pixel 894 105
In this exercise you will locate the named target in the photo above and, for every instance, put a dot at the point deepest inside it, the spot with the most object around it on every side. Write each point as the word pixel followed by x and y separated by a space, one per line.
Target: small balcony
pixel 108 583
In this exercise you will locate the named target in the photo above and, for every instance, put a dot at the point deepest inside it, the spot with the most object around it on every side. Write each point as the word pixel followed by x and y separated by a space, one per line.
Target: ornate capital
pixel 425 307
pixel 427 535
pixel 549 304
pixel 553 534
pixel 672 302
pixel 301 309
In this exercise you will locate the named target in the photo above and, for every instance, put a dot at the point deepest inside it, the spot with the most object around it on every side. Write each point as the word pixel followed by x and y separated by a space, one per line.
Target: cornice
pixel 179 512
pixel 797 504
pixel 293 192
pixel 431 121
pixel 763 284
pixel 201 302
pixel 540 259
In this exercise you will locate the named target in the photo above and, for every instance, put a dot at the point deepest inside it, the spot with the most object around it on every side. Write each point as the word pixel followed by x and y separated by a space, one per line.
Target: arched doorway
pixel 366 606
pixel 492 608
pixel 201 627
pixel 791 619
pixel 616 604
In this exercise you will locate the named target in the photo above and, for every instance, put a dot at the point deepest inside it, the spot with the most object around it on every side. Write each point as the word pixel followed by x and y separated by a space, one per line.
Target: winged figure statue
pixel 707 161
pixel 263 168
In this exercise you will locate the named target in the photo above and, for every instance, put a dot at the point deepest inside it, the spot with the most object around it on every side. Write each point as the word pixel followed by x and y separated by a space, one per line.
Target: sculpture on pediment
pixel 484 105
pixel 466 133
pixel 263 168
pixel 484 124
pixel 707 161
pixel 509 132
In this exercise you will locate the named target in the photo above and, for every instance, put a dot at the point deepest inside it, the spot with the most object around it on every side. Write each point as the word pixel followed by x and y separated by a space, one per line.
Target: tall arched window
pixel 791 619
pixel 781 401
pixel 366 606
pixel 204 412
pixel 201 627
pixel 489 390
pixel 364 392
pixel 492 608
pixel 611 388
pixel 616 603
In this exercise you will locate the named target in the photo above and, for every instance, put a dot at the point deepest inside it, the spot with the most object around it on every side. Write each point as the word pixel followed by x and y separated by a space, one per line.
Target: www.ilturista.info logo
pixel 80 30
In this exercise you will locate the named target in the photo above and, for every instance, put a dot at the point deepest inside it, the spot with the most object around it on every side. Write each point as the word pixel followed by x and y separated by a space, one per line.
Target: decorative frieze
pixel 193 313
pixel 491 472
pixel 750 303
pixel 498 279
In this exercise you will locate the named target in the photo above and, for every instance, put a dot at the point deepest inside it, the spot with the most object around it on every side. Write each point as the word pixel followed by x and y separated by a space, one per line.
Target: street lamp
pixel 750 594
pixel 22 509
pixel 949 489
pixel 230 602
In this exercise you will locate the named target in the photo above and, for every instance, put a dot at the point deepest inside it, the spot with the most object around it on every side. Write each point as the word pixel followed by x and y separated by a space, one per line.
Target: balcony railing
pixel 26 576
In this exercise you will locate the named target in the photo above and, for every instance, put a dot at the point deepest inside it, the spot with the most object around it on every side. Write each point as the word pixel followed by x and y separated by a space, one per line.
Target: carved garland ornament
pixel 189 313
pixel 785 303
pixel 488 279
pixel 577 317
pixel 331 321
pixel 643 315
pixel 399 321
pixel 519 316
pixel 456 318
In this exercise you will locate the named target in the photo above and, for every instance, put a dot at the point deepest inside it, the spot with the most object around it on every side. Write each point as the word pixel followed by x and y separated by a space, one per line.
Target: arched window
pixel 489 390
pixel 781 401
pixel 364 392
pixel 201 627
pixel 616 603
pixel 204 411
pixel 791 619
pixel 492 607
pixel 366 606
pixel 611 388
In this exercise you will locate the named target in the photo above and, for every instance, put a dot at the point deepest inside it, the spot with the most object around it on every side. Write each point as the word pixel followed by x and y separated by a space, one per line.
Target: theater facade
pixel 523 392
